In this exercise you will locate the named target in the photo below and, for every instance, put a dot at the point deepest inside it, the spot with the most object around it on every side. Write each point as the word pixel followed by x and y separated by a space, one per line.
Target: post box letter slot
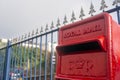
pixel 83 47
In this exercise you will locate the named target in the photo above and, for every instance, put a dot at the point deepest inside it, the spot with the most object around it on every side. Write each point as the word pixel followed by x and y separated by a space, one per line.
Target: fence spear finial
pixel 103 5
pixel 52 25
pixel 58 22
pixel 37 31
pixel 32 33
pixel 25 36
pixel 46 27
pixel 81 14
pixel 29 34
pixel 73 17
pixel 115 2
pixel 22 37
pixel 41 30
pixel 65 20
pixel 92 10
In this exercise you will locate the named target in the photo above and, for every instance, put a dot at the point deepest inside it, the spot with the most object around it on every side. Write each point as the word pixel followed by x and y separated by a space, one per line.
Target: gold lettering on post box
pixel 82 31
pixel 72 34
pixel 92 29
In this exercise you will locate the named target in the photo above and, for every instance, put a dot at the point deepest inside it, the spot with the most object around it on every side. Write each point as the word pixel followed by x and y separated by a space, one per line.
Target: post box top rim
pixel 103 15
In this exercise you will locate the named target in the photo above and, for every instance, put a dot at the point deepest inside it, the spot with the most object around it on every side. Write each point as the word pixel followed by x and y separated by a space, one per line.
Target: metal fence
pixel 32 57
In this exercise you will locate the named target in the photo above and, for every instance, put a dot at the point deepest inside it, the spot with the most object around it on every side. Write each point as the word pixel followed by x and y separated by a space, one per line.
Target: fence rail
pixel 34 54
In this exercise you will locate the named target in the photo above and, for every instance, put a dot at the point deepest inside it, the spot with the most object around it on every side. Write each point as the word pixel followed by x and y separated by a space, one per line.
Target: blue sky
pixel 18 17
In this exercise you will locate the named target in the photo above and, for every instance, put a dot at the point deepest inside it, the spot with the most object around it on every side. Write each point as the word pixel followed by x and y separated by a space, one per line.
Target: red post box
pixel 89 50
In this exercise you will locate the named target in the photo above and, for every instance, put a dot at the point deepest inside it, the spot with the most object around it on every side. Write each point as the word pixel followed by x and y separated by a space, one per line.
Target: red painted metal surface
pixel 89 50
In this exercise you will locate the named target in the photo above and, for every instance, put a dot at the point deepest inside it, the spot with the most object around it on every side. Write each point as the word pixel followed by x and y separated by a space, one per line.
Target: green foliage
pixel 23 57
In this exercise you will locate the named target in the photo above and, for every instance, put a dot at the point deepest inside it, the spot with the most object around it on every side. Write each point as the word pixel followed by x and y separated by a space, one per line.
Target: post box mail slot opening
pixel 82 47
pixel 83 60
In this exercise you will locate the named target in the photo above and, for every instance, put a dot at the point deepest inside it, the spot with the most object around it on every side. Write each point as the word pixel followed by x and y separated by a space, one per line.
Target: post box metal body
pixel 89 50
